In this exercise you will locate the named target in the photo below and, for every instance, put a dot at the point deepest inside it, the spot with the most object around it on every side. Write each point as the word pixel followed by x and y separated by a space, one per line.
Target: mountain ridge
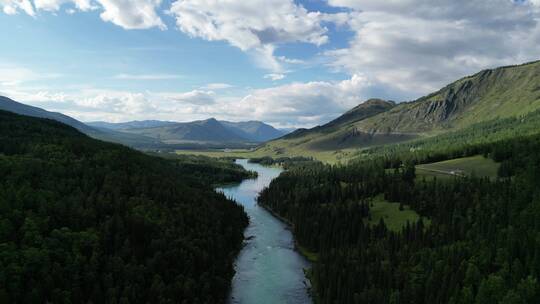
pixel 155 134
pixel 210 130
pixel 490 94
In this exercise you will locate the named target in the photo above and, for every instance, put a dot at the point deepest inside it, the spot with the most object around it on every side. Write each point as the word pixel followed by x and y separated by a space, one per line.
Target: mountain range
pixel 154 134
pixel 492 94
pixel 209 130
pixel 503 92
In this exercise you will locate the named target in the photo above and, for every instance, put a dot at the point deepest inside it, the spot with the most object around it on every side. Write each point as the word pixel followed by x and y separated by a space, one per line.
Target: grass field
pixel 477 165
pixel 329 157
pixel 394 218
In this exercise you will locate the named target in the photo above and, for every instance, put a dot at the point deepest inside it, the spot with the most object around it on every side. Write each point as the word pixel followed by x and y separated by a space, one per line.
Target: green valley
pixel 270 152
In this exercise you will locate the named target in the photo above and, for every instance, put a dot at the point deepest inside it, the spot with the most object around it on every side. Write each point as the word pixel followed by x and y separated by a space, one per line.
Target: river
pixel 268 269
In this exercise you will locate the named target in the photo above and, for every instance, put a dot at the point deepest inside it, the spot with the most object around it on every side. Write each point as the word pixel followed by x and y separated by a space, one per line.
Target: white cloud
pixel 195 97
pixel 418 46
pixel 290 60
pixel 11 7
pixel 217 86
pixel 296 104
pixel 274 76
pixel 128 14
pixel 303 104
pixel 132 14
pixel 147 76
pixel 256 26
pixel 54 5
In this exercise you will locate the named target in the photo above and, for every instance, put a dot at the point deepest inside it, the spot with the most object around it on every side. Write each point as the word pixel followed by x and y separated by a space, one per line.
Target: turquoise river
pixel 268 269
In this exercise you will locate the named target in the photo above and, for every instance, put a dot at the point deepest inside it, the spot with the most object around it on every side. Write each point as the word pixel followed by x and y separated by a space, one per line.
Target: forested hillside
pixel 473 240
pixel 84 221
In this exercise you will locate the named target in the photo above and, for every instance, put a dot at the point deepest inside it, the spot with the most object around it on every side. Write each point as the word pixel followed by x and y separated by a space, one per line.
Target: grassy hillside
pixel 335 135
pixel 490 94
pixel 487 96
pixel 465 166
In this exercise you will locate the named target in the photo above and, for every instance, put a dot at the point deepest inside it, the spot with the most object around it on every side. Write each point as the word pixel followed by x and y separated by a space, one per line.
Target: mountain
pixel 364 110
pixel 132 140
pixel 254 130
pixel 286 131
pixel 336 134
pixel 155 134
pixel 206 131
pixel 10 105
pixel 136 124
pixel 492 94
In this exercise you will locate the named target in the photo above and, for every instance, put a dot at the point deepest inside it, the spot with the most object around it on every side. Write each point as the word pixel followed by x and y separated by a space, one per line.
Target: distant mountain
pixel 10 105
pixel 286 131
pixel 503 92
pixel 133 140
pixel 209 131
pixel 136 124
pixel 155 134
pixel 254 130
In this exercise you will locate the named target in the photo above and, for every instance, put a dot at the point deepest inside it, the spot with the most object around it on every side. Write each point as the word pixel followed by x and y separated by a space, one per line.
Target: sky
pixel 288 63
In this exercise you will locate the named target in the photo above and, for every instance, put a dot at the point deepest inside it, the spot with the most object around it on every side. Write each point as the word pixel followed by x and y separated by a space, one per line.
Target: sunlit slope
pixel 488 95
pixel 335 135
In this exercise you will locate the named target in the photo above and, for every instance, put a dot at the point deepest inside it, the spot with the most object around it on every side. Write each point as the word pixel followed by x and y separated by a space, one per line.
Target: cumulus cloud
pixel 255 26
pixel 54 5
pixel 296 104
pixel 304 104
pixel 128 14
pixel 11 7
pixel 419 45
pixel 195 97
pixel 132 14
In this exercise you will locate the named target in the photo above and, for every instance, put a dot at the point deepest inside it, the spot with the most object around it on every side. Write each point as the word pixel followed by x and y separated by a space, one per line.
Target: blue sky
pixel 290 63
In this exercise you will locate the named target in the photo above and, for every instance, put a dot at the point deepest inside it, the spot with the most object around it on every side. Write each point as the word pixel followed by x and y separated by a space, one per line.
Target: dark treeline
pixel 481 245
pixel 472 140
pixel 209 170
pixel 285 162
pixel 84 221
